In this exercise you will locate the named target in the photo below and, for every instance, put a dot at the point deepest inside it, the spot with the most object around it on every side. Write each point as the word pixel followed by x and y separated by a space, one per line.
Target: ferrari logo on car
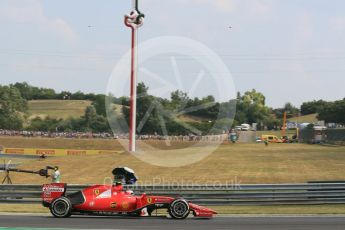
pixel 96 192
pixel 113 205
pixel 149 200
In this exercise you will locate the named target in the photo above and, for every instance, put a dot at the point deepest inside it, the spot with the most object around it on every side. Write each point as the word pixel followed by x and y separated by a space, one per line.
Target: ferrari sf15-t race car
pixel 114 200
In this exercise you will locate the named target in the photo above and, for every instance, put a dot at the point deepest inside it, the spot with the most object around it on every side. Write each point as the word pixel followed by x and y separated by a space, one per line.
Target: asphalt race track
pixel 238 223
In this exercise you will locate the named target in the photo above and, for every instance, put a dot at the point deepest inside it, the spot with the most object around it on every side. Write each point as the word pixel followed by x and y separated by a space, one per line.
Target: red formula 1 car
pixel 113 200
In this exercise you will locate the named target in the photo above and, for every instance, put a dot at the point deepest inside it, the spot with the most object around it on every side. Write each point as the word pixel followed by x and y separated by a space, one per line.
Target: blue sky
pixel 291 50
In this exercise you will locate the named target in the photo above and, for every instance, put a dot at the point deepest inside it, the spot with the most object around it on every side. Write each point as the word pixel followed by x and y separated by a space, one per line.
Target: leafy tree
pixel 65 95
pixel 227 109
pixel 12 108
pixel 78 96
pixel 207 107
pixel 312 107
pixel 72 124
pixel 100 124
pixel 99 104
pixel 90 116
pixel 251 107
pixel 48 124
pixel 333 112
pixel 94 122
pixel 291 111
pixel 25 90
pixel 148 108
pixel 90 96
pixel 179 100
pixel 45 93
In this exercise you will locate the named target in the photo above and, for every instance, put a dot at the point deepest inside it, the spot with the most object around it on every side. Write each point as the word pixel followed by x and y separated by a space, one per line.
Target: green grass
pixel 59 143
pixel 26 208
pixel 57 108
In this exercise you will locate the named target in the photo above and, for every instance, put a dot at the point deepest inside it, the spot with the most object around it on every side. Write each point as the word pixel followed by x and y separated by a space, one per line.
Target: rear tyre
pixel 179 209
pixel 61 207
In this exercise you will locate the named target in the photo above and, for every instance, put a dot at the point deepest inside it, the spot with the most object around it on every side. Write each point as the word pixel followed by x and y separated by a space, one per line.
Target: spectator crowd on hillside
pixel 56 134
pixel 90 135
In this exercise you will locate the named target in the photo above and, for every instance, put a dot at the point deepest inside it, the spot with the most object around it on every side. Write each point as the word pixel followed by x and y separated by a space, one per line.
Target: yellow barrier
pixel 55 152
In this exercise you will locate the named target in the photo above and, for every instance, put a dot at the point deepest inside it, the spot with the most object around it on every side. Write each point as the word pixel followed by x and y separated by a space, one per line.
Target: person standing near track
pixel 56 176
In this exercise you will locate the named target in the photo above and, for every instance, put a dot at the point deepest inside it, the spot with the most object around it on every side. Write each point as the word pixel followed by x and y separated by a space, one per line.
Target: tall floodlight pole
pixel 134 20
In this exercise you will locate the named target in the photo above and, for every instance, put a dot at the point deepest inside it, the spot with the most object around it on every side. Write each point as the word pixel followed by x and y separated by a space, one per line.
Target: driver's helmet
pixel 129 192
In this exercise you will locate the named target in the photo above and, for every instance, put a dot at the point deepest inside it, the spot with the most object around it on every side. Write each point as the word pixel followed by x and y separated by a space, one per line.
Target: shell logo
pixel 125 205
pixel 113 205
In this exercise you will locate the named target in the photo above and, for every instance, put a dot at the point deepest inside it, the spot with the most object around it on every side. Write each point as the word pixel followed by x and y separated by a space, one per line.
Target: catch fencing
pixel 221 195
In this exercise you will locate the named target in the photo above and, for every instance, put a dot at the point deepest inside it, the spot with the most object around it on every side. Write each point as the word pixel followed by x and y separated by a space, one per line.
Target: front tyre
pixel 179 209
pixel 61 207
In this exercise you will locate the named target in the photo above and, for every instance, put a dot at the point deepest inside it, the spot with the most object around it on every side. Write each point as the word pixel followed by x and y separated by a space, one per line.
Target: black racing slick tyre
pixel 179 209
pixel 61 207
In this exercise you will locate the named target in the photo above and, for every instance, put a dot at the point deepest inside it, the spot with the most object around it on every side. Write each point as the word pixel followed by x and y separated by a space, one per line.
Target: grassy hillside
pixel 191 118
pixel 249 163
pixel 57 108
pixel 312 118
pixel 61 108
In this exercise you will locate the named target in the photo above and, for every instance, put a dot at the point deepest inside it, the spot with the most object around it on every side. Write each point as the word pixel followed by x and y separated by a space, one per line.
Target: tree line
pixel 330 112
pixel 178 115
